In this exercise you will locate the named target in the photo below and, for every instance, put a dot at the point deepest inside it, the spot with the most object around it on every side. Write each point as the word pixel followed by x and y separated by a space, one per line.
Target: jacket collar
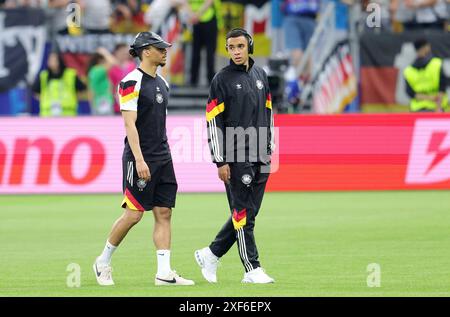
pixel 242 68
pixel 422 62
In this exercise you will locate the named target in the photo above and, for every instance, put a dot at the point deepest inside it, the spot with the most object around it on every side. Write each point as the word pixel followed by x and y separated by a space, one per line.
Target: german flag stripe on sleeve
pixel 269 101
pixel 127 91
pixel 129 97
pixel 127 87
pixel 213 109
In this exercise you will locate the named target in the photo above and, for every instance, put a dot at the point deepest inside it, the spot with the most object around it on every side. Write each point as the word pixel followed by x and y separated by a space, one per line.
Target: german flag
pixel 127 92
pixel 239 218
pixel 213 109
pixel 269 101
pixel 131 202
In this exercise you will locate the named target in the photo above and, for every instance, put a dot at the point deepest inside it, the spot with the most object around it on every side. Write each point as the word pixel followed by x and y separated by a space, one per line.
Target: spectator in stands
pixel 126 8
pixel 58 16
pixel 206 22
pixel 128 16
pixel 8 4
pixel 30 3
pixel 299 25
pixel 100 91
pixel 425 80
pixel 447 26
pixel 121 67
pixel 5 4
pixel 419 15
pixel 158 11
pixel 96 16
pixel 57 87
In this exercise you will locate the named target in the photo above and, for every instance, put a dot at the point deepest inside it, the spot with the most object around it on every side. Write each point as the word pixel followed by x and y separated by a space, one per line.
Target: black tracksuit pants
pixel 204 35
pixel 245 193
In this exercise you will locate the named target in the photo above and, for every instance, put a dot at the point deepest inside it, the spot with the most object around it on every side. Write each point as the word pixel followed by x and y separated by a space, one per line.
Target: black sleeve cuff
pixel 220 164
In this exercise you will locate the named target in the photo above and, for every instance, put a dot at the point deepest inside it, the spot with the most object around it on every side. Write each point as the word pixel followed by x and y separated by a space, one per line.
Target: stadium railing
pixel 319 48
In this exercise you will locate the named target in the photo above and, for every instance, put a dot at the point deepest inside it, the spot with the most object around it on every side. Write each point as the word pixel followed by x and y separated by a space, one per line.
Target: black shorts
pixel 161 191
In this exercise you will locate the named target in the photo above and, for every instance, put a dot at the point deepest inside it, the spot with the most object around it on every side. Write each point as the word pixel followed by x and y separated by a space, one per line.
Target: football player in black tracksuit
pixel 240 131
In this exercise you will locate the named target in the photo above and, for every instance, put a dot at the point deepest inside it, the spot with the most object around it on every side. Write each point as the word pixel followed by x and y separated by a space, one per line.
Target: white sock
pixel 163 257
pixel 105 257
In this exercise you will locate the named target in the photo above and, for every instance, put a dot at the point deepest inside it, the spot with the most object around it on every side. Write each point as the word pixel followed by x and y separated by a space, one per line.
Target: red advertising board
pixel 363 152
pixel 314 152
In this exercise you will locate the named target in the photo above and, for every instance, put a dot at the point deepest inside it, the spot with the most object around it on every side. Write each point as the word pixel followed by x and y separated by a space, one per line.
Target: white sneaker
pixel 257 276
pixel 172 279
pixel 208 262
pixel 103 274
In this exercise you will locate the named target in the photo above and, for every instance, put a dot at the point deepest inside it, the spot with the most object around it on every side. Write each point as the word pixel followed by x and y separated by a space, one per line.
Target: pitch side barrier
pixel 312 153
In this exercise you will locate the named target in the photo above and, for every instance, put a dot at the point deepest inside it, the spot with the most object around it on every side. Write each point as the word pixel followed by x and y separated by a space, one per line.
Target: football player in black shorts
pixel 149 181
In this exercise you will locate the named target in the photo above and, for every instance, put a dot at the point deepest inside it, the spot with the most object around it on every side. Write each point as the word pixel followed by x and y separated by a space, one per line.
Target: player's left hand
pixel 143 170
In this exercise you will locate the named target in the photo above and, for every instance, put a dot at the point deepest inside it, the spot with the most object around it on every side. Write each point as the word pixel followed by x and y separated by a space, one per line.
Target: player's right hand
pixel 142 170
pixel 225 173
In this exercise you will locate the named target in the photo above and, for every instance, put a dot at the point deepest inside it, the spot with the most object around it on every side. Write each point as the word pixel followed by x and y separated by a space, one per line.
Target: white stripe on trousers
pixel 243 249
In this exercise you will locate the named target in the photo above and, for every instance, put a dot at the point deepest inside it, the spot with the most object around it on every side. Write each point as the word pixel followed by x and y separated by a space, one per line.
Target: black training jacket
pixel 239 115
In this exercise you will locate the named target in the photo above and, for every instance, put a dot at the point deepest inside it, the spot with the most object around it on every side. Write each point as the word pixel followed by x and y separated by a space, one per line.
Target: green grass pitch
pixel 313 244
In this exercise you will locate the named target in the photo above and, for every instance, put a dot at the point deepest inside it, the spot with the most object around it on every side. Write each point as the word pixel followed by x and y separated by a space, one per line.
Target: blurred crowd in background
pixel 58 88
pixel 134 15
